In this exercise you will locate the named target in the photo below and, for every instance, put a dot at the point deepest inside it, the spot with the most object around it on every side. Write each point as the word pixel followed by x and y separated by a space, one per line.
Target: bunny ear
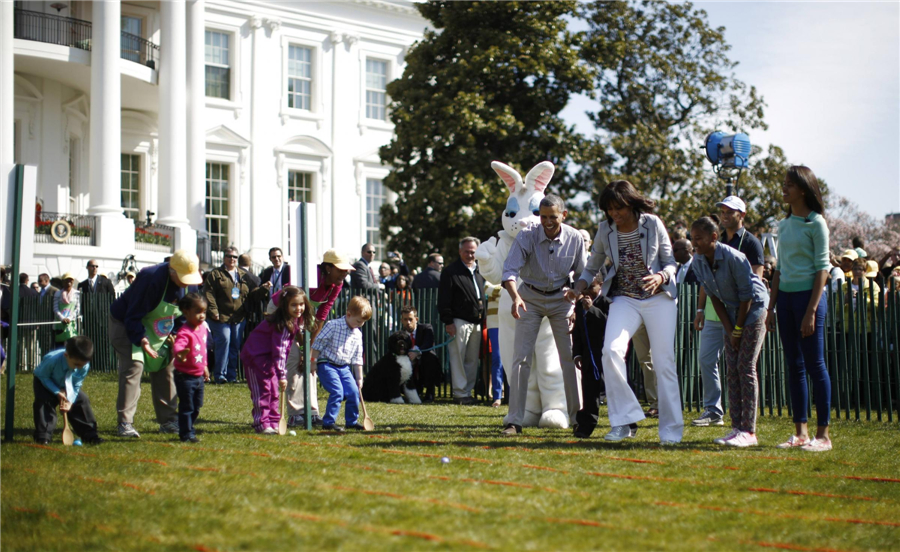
pixel 540 176
pixel 508 175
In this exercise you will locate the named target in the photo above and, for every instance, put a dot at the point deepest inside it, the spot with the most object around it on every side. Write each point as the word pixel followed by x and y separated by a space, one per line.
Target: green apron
pixel 65 331
pixel 158 324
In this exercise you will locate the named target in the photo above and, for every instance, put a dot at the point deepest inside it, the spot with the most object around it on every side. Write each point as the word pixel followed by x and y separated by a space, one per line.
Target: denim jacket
pixel 732 281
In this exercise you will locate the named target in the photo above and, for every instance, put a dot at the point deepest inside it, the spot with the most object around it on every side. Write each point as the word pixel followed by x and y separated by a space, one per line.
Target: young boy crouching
pixel 338 347
pixel 57 383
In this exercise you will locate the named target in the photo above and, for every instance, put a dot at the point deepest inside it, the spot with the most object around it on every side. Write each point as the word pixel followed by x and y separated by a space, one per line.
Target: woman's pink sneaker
pixel 818 445
pixel 794 441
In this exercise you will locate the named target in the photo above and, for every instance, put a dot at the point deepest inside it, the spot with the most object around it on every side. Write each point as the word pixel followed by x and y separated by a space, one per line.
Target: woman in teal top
pixel 797 290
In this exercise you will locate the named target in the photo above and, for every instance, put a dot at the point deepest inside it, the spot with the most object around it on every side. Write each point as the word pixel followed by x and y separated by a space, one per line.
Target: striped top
pixel 543 262
pixel 632 270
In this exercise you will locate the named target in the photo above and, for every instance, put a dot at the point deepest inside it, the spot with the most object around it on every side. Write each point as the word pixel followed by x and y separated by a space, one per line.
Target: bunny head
pixel 522 207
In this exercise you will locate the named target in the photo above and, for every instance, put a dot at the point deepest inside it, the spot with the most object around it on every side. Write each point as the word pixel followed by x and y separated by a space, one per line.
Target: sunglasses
pixel 231 256
pixel 93 266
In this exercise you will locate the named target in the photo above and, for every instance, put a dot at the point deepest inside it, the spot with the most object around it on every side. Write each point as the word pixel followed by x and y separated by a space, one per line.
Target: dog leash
pixel 438 346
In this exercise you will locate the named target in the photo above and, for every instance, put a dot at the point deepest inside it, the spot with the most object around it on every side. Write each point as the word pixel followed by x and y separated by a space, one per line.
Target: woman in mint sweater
pixel 797 290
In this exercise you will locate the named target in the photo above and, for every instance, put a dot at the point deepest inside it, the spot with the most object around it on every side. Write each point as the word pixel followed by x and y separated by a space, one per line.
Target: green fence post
pixel 13 359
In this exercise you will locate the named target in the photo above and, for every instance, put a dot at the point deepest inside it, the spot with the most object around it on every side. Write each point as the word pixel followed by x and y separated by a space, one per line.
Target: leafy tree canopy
pixel 486 84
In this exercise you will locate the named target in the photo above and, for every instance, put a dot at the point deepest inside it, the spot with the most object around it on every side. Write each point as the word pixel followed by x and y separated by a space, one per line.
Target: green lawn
pixel 388 489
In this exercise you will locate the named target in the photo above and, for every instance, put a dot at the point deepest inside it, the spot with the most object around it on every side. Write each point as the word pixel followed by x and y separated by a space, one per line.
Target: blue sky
pixel 830 75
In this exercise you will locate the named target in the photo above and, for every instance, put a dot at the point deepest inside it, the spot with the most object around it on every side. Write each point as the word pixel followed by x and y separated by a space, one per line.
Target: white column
pixel 106 116
pixel 173 175
pixel 7 84
pixel 196 102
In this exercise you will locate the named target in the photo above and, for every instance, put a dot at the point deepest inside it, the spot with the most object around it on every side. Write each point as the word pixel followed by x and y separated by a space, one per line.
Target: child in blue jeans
pixel 338 347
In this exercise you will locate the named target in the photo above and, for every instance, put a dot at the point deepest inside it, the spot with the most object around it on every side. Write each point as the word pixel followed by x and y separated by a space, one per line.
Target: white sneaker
pixel 270 431
pixel 127 430
pixel 618 433
pixel 794 441
pixel 743 439
pixel 721 440
pixel 817 445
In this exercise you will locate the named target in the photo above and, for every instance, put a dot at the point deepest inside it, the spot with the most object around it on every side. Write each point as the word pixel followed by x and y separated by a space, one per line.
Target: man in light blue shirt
pixel 57 382
pixel 543 257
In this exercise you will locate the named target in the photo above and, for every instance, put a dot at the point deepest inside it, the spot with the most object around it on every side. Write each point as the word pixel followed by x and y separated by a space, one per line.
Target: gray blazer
pixel 655 246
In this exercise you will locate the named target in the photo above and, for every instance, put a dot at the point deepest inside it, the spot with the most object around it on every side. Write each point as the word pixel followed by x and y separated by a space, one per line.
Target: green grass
pixel 389 490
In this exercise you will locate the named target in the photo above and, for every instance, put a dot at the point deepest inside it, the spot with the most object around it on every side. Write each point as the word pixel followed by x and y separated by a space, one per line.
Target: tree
pixel 759 186
pixel 663 82
pixel 488 83
pixel 846 221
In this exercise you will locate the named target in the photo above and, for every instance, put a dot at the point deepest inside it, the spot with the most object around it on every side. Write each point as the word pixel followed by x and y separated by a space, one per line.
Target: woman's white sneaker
pixel 818 445
pixel 794 441
pixel 743 439
pixel 721 440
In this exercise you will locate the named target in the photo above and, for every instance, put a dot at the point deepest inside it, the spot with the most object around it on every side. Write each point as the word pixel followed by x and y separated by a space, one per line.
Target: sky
pixel 829 73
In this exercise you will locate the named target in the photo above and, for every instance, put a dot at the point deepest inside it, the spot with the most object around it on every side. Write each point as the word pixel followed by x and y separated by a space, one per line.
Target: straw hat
pixel 187 267
pixel 871 269
pixel 849 254
pixel 67 276
pixel 339 261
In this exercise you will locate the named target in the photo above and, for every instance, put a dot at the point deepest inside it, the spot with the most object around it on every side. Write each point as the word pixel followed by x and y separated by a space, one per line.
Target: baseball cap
pixel 67 276
pixel 338 260
pixel 187 266
pixel 861 253
pixel 850 254
pixel 871 269
pixel 733 202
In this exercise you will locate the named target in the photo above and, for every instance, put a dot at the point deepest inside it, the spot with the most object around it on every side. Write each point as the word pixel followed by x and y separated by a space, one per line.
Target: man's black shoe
pixel 42 441
pixel 511 430
pixel 357 426
pixel 96 440
pixel 332 427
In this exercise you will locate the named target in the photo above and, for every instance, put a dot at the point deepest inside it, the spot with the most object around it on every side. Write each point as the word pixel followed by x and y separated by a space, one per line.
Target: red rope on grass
pixel 781 545
pixel 54 515
pixel 859 478
pixel 776 515
pixel 808 493
pixel 644 477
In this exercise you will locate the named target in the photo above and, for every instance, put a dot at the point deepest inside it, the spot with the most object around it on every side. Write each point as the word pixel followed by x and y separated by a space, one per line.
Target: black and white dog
pixel 391 379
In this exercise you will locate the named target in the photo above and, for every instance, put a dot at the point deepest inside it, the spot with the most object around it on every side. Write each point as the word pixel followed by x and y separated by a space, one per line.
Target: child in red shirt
pixel 190 364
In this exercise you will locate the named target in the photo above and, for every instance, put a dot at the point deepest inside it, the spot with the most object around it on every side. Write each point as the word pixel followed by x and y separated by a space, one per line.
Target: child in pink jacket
pixel 265 353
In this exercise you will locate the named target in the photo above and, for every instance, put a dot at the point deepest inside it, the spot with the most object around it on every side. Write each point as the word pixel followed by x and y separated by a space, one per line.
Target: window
pixel 131 38
pixel 300 187
pixel 218 70
pixel 299 77
pixel 131 187
pixel 375 198
pixel 376 93
pixel 217 205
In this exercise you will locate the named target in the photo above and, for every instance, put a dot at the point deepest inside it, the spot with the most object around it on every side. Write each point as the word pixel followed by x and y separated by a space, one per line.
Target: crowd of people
pixel 603 297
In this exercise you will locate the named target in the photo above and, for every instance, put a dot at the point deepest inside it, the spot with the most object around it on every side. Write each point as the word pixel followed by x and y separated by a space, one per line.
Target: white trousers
pixel 464 358
pixel 626 315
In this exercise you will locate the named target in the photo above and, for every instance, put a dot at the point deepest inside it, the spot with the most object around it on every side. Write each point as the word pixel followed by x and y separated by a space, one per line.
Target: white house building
pixel 210 114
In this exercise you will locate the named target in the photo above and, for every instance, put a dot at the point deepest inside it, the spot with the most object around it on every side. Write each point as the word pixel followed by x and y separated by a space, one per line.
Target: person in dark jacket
pixel 461 309
pixel 227 290
pixel 25 290
pixel 587 350
pixel 426 365
pixel 362 276
pixel 276 276
pixel 430 277
pixel 95 283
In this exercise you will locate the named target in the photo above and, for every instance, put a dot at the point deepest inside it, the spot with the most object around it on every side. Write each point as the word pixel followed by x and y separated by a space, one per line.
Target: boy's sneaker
pixel 191 440
pixel 357 426
pixel 818 445
pixel 794 441
pixel 168 427
pixel 511 430
pixel 332 427
pixel 731 434
pixel 270 431
pixel 743 439
pixel 127 430
pixel 708 418
pixel 296 421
